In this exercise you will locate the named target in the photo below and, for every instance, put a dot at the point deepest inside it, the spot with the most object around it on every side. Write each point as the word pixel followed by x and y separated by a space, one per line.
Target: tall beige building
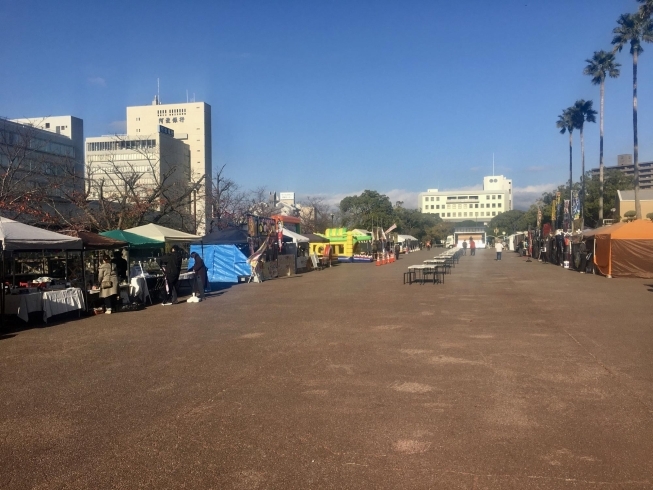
pixel 191 122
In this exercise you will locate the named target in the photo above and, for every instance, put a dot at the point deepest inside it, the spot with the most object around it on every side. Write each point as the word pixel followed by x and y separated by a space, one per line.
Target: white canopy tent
pixel 406 238
pixel 296 237
pixel 19 236
pixel 163 234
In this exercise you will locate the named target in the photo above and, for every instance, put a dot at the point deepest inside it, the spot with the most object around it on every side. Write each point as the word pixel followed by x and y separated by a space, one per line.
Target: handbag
pixel 107 284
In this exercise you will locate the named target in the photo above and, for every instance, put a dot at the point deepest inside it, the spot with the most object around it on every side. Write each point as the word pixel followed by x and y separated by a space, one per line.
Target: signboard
pixel 287 196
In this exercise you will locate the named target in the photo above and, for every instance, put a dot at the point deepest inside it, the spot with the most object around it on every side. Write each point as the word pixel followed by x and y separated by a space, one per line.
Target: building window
pixel 437 198
pixel 494 213
pixel 431 198
pixel 493 196
pixel 499 205
pixel 487 197
pixel 476 206
pixel 47 125
pixel 448 215
pixel 465 214
pixel 494 205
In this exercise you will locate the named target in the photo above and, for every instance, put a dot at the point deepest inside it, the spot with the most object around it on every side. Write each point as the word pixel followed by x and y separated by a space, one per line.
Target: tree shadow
pixel 650 287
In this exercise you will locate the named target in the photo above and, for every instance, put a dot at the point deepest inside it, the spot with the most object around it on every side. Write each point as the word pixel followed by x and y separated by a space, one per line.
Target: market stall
pixel 300 249
pixel 623 249
pixel 225 254
pixel 36 261
pixel 92 245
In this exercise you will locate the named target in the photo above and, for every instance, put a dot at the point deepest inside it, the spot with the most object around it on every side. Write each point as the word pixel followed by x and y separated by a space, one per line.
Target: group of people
pixel 472 246
pixel 112 272
pixel 171 265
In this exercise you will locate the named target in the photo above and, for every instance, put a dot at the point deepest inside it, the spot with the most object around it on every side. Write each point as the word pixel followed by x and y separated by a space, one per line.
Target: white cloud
pixel 118 127
pixel 523 197
pixel 97 81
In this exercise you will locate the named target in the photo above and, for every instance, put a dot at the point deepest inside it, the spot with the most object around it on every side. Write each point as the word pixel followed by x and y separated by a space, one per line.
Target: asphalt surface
pixel 509 375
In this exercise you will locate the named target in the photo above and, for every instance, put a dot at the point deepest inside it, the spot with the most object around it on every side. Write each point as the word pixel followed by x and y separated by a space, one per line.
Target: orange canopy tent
pixel 624 249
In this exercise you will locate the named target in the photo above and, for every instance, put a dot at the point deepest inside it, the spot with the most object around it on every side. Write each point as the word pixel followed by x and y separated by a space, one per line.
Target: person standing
pixel 499 248
pixel 582 250
pixel 472 246
pixel 200 270
pixel 121 266
pixel 464 247
pixel 172 268
pixel 397 251
pixel 108 280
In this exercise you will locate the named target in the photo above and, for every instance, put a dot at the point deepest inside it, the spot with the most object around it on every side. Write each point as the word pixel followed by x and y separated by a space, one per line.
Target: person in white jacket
pixel 499 249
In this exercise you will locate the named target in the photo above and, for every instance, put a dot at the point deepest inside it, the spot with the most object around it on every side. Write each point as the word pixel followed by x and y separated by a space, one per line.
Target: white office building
pixel 126 167
pixel 191 123
pixel 462 205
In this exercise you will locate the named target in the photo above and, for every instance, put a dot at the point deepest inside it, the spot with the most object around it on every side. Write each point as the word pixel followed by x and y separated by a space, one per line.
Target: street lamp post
pixel 331 220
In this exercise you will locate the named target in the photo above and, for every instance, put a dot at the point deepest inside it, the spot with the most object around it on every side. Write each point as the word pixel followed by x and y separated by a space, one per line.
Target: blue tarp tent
pixel 221 253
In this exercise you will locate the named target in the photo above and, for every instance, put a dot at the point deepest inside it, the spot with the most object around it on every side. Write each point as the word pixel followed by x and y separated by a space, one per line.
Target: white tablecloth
pixel 23 304
pixel 138 288
pixel 57 302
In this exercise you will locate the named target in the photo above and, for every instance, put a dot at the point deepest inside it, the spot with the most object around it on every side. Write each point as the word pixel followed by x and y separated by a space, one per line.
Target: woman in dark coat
pixel 108 280
pixel 200 270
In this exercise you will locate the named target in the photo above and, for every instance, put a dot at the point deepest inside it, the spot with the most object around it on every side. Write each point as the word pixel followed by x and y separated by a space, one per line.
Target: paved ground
pixel 510 375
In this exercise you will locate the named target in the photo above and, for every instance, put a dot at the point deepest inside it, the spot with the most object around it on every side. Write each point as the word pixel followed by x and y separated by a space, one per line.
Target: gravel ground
pixel 509 375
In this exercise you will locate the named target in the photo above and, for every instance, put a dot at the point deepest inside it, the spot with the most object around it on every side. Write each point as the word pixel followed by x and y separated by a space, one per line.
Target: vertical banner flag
pixel 575 206
pixel 539 218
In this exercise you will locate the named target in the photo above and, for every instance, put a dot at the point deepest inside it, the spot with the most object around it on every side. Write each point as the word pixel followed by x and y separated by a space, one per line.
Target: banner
pixel 391 228
pixel 566 221
pixel 539 218
pixel 575 206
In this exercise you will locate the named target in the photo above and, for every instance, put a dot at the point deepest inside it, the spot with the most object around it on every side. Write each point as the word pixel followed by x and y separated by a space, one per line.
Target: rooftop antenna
pixel 158 92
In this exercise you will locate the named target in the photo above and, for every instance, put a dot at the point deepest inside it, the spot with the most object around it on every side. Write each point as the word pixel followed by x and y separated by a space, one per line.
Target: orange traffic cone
pixel 378 260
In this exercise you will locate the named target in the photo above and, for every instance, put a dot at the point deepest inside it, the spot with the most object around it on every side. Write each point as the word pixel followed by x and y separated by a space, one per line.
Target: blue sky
pixel 334 97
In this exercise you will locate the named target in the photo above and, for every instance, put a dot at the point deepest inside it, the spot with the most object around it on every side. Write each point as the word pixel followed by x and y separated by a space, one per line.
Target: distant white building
pixel 70 130
pixel 120 165
pixel 461 205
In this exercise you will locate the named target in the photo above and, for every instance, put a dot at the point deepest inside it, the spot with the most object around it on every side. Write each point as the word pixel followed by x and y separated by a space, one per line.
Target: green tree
pixel 567 122
pixel 615 180
pixel 367 210
pixel 599 66
pixel 634 29
pixel 583 112
pixel 508 222
pixel 413 222
pixel 440 231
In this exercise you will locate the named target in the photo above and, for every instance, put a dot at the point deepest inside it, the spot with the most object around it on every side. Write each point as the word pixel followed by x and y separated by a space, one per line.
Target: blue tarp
pixel 224 262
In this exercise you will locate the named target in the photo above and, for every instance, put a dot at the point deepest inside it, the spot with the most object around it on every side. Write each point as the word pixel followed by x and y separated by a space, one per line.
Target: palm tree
pixel 567 122
pixel 600 65
pixel 583 112
pixel 634 29
pixel 647 8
